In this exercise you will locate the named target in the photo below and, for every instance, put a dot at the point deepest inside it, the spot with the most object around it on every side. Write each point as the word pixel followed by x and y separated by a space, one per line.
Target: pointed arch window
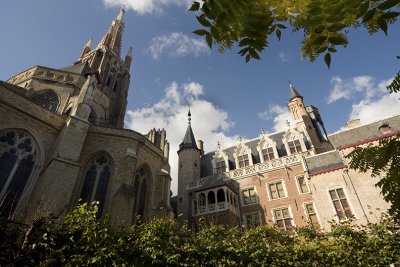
pixel 97 177
pixel 140 189
pixel 48 100
pixel 18 157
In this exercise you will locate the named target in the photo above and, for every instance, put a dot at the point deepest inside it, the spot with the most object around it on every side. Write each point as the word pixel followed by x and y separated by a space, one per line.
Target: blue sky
pixel 172 68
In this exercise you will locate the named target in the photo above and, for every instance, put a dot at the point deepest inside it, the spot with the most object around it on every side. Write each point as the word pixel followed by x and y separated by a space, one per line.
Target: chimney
pixel 200 145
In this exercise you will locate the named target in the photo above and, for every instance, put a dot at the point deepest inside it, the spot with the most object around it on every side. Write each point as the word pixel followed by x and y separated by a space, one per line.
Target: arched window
pixel 211 197
pixel 140 189
pixel 95 186
pixel 220 196
pixel 48 100
pixel 202 200
pixel 18 156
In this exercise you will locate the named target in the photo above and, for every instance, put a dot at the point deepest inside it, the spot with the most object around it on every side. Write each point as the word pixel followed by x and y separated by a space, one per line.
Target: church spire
pixel 128 58
pixel 188 141
pixel 293 92
pixel 113 37
pixel 86 49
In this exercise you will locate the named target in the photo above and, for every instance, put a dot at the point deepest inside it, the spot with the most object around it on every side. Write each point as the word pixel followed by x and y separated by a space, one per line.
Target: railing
pixel 213 208
pixel 256 168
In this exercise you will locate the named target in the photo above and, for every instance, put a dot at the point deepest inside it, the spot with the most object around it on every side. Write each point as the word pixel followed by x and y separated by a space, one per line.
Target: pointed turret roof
pixel 293 92
pixel 113 37
pixel 188 141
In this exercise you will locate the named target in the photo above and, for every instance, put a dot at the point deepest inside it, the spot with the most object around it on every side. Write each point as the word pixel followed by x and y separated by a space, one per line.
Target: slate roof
pixel 188 141
pixel 293 92
pixel 78 68
pixel 363 133
pixel 325 161
pixel 217 181
pixel 206 160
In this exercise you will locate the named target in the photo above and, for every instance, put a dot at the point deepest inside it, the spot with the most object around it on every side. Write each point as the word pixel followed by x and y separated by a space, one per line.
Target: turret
pixel 128 58
pixel 87 48
pixel 309 121
pixel 188 170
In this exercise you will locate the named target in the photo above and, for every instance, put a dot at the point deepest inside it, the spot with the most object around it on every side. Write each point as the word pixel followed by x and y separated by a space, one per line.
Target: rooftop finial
pixel 288 123
pixel 121 14
pixel 89 43
pixel 262 132
pixel 189 117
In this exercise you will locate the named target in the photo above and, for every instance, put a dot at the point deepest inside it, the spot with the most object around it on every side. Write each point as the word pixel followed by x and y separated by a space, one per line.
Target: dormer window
pixel 220 165
pixel 268 154
pixel 294 146
pixel 243 161
pixel 385 128
pixel 242 155
pixel 220 161
pixel 293 141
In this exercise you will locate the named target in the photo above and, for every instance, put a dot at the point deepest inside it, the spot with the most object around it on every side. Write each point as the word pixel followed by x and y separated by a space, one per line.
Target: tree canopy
pixel 326 23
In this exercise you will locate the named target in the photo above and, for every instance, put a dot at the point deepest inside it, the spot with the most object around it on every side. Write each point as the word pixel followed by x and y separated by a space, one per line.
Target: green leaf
pixel 278 34
pixel 362 9
pixel 248 57
pixel 320 28
pixel 200 32
pixel 281 26
pixel 254 54
pixel 327 59
pixel 209 39
pixel 319 40
pixel 332 49
pixel 203 21
pixel 390 15
pixel 337 40
pixel 383 25
pixel 388 4
pixel 336 27
pixel 322 49
pixel 195 6
pixel 368 16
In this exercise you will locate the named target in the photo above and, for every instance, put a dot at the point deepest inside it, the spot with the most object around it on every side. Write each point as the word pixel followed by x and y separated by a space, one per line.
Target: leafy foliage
pixel 382 161
pixel 325 23
pixel 83 240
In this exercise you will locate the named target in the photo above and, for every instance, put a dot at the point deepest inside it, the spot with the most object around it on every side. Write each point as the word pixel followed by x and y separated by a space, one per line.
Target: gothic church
pixel 62 139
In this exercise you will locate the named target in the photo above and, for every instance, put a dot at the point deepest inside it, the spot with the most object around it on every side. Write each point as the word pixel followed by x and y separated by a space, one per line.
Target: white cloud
pixel 283 57
pixel 208 121
pixel 177 44
pixel 373 100
pixel 347 89
pixel 146 6
pixel 279 115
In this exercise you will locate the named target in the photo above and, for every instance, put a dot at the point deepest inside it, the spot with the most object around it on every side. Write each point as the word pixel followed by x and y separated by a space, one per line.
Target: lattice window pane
pixel 48 100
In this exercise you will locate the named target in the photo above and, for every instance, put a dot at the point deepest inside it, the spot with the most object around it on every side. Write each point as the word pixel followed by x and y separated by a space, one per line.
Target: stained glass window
pixel 48 100
pixel 18 155
pixel 96 181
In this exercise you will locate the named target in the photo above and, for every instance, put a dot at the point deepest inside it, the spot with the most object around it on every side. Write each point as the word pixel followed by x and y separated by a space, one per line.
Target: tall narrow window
pixel 243 160
pixel 48 100
pixel 96 181
pixel 302 185
pixel 220 165
pixel 202 199
pixel 283 219
pixel 249 196
pixel 340 203
pixel 141 185
pixel 311 214
pixel 268 154
pixel 294 146
pixel 18 155
pixel 276 190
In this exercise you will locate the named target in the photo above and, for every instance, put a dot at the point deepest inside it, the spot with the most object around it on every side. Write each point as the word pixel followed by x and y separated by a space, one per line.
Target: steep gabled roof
pixel 293 92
